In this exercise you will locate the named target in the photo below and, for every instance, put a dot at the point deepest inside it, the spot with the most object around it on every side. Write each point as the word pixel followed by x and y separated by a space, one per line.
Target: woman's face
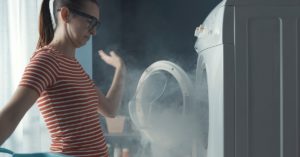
pixel 83 24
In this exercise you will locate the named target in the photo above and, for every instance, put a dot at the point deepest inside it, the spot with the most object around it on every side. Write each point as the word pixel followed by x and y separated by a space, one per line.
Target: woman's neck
pixel 63 46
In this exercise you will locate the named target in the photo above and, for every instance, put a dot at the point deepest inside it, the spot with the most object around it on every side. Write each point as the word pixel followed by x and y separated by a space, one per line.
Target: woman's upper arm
pixel 21 101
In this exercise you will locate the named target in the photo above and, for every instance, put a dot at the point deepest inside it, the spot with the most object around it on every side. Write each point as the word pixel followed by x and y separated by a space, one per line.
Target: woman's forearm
pixel 7 126
pixel 115 93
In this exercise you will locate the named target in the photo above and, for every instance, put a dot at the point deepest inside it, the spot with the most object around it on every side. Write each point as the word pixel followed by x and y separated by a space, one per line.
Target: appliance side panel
pixel 264 88
pixel 229 101
pixel 258 87
pixel 267 82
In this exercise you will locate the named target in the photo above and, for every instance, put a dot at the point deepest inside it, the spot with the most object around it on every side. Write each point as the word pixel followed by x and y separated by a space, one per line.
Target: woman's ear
pixel 65 14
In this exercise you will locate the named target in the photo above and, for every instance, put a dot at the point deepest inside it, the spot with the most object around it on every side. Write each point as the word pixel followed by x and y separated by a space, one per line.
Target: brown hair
pixel 46 30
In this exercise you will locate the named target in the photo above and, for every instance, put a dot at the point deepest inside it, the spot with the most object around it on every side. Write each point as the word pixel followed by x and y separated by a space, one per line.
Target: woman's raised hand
pixel 112 59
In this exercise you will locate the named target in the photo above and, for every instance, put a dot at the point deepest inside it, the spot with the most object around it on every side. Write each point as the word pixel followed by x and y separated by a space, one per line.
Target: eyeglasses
pixel 93 21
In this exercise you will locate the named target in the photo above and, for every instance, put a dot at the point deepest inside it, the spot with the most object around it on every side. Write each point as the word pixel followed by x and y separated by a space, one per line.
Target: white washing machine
pixel 200 99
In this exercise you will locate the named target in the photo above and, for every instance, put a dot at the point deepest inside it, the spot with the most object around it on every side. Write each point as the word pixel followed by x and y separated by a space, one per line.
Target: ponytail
pixel 46 30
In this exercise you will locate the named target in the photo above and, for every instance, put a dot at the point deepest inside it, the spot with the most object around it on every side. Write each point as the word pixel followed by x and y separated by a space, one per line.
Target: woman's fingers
pixel 113 54
pixel 111 59
pixel 102 53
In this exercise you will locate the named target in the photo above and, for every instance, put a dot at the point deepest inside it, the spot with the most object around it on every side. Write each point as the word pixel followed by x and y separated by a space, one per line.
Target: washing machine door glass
pixel 159 106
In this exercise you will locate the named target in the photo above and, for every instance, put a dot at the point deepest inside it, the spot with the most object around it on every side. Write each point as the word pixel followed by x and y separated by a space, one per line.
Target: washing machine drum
pixel 161 105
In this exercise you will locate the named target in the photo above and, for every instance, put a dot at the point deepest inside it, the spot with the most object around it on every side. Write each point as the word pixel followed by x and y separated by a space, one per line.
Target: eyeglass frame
pixel 94 23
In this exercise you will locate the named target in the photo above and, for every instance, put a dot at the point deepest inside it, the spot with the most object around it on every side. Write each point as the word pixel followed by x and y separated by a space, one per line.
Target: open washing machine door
pixel 163 110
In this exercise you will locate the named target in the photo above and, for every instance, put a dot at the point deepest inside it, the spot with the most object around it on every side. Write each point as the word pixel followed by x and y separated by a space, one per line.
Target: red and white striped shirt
pixel 68 103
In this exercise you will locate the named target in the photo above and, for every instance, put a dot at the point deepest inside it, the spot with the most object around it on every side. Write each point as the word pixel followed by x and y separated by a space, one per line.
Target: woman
pixel 67 98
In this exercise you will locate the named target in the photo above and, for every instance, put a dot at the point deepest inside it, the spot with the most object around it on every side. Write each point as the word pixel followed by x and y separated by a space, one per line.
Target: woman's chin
pixel 82 43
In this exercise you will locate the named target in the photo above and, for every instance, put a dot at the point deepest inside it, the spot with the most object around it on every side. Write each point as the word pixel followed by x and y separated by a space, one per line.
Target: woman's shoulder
pixel 56 54
pixel 45 54
pixel 44 51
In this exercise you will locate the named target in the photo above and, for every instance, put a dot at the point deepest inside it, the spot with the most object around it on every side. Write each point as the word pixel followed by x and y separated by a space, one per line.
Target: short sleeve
pixel 41 72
